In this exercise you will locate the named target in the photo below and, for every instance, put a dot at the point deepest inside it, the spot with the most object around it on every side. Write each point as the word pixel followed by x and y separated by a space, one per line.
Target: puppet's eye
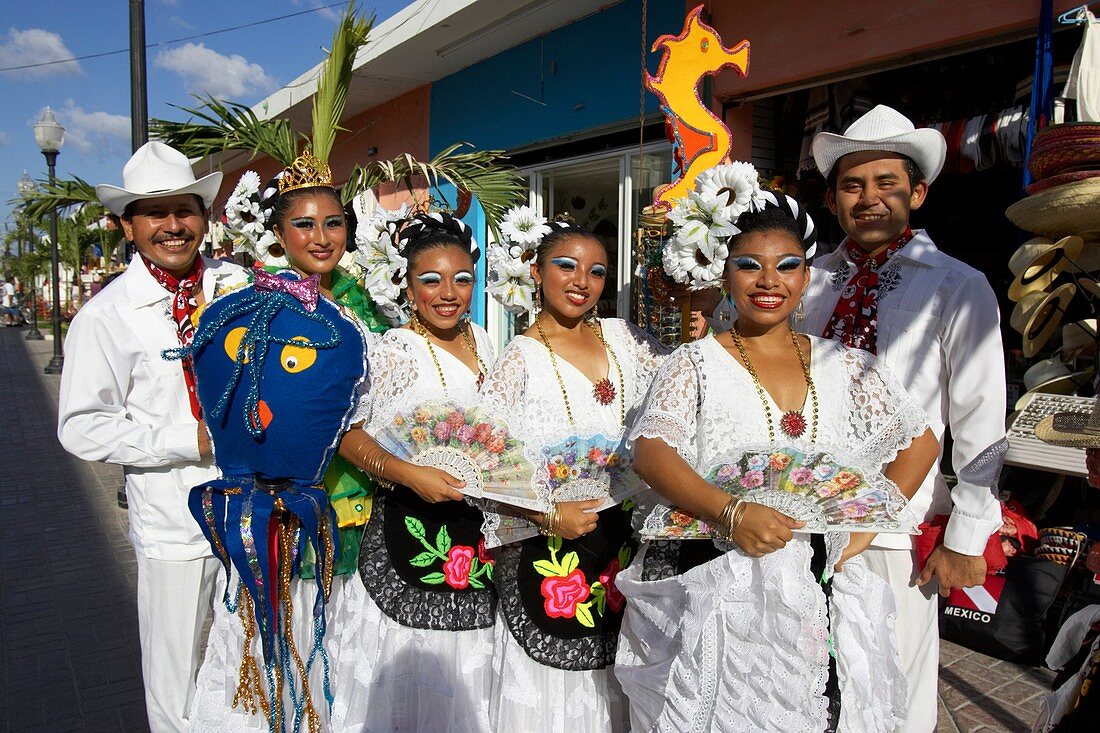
pixel 297 358
pixel 233 343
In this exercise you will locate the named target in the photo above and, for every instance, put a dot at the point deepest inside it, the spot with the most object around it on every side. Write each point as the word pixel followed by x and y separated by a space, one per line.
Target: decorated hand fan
pixel 465 443
pixel 594 467
pixel 822 489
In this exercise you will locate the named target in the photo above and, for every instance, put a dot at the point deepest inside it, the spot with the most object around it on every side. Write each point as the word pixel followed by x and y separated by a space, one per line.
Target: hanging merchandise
pixel 1039 314
pixel 1083 84
pixel 1042 96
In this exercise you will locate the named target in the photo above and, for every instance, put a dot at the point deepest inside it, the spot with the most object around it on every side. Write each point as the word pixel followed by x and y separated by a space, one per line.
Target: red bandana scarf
pixel 855 319
pixel 183 307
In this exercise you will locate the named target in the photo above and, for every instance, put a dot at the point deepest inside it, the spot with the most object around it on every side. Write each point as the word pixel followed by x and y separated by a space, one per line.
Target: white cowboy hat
pixel 156 170
pixel 1037 262
pixel 1051 376
pixel 1038 315
pixel 883 128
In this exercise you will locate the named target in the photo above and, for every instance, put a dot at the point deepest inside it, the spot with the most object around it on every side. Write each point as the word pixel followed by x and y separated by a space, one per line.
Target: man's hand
pixel 952 570
pixel 204 440
pixel 857 543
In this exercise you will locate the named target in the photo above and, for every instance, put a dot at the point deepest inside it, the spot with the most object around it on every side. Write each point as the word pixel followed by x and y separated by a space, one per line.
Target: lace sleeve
pixel 883 418
pixel 648 353
pixel 671 407
pixel 361 413
pixel 393 371
pixel 504 389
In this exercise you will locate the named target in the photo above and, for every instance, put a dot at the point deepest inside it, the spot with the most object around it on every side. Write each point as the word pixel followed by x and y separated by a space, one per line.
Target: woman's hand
pixel 577 518
pixel 433 485
pixel 857 543
pixel 763 530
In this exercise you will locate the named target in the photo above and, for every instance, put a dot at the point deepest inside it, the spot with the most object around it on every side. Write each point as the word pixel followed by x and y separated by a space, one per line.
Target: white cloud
pixel 37 46
pixel 95 133
pixel 206 71
pixel 322 8
pixel 177 20
pixel 5 141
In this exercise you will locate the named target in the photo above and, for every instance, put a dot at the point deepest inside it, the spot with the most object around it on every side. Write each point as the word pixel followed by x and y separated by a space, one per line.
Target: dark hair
pixel 275 206
pixel 128 212
pixel 916 175
pixel 561 231
pixel 430 231
pixel 784 216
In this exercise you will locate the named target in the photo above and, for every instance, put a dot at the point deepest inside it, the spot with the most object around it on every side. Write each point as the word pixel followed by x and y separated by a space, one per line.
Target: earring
pixel 725 310
pixel 800 311
pixel 538 297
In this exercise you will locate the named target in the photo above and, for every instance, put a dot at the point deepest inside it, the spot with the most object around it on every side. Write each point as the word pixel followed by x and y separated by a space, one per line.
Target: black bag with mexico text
pixel 1004 617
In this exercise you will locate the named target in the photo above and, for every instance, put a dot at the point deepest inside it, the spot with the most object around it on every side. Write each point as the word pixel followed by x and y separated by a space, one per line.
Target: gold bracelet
pixel 738 515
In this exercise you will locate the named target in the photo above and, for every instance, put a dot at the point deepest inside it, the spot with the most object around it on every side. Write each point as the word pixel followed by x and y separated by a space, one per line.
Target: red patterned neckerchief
pixel 855 319
pixel 183 307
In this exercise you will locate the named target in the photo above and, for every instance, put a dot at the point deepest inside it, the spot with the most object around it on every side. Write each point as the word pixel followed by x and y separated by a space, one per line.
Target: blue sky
pixel 91 97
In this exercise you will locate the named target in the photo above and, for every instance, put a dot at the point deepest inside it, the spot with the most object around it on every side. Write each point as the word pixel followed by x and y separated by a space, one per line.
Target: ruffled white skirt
pixel 530 697
pixel 390 677
pixel 212 708
pixel 741 644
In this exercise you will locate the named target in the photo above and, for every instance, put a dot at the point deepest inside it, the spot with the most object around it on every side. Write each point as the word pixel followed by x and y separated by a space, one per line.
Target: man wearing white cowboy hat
pixel 935 321
pixel 122 403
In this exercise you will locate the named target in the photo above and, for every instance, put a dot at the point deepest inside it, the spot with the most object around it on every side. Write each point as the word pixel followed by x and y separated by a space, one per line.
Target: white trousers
pixel 174 600
pixel 918 633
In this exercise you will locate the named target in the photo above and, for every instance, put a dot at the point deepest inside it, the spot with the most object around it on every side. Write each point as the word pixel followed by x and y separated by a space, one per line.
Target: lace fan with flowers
pixel 465 443
pixel 820 488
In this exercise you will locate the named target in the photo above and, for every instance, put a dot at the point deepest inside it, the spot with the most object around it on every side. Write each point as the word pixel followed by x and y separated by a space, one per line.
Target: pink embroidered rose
pixel 483 553
pixel 465 434
pixel 456 419
pixel 752 479
pixel 562 594
pixel 442 431
pixel 801 476
pixel 615 599
pixel 456 571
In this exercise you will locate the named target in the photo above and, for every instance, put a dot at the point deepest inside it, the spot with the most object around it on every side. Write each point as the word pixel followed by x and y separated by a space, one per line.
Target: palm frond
pixel 61 194
pixel 486 174
pixel 226 125
pixel 335 78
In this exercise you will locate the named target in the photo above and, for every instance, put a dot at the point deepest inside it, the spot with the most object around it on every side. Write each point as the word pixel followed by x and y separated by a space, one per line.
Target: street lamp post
pixel 26 189
pixel 49 134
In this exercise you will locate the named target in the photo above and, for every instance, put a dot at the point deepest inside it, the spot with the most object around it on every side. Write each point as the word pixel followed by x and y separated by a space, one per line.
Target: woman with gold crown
pixel 306 222
pixel 761 622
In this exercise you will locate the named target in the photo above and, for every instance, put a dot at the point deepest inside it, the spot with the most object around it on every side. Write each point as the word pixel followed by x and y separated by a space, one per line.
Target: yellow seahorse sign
pixel 701 139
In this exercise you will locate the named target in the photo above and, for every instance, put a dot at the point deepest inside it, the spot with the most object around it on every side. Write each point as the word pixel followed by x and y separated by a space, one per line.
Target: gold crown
pixel 307 171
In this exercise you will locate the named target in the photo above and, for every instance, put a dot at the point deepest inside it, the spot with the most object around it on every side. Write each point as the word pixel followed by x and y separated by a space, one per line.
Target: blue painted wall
pixel 475 218
pixel 578 77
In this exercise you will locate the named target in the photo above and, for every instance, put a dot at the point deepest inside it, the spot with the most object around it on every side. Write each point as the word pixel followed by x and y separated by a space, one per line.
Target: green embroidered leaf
pixel 415 527
pixel 433 578
pixel 549 569
pixel 489 570
pixel 423 560
pixel 584 615
pixel 601 604
pixel 475 583
pixel 624 556
pixel 627 505
pixel 597 588
pixel 443 540
pixel 569 563
pixel 553 543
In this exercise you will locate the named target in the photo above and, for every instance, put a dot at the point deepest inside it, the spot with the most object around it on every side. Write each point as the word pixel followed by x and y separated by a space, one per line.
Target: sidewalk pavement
pixel 68 622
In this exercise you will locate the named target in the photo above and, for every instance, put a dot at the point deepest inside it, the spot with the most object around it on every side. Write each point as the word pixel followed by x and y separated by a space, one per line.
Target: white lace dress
pixel 405 668
pixel 552 661
pixel 741 644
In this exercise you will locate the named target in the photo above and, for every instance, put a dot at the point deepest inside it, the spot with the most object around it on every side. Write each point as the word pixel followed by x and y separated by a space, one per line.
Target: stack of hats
pixel 1040 303
pixel 1065 196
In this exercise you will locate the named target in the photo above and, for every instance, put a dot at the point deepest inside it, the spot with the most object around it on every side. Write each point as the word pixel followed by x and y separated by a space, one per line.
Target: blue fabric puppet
pixel 277 370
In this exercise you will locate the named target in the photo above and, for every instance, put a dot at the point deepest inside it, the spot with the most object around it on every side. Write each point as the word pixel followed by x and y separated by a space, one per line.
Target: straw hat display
pixel 1071 429
pixel 1065 197
pixel 1038 262
pixel 1079 338
pixel 1038 315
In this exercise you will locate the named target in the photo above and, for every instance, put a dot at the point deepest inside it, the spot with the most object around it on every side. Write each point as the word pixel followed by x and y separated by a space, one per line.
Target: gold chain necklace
pixel 419 328
pixel 792 423
pixel 603 391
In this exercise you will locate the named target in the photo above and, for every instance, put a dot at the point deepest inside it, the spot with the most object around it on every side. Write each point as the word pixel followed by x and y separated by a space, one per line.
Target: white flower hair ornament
pixel 384 268
pixel 246 219
pixel 706 219
pixel 509 277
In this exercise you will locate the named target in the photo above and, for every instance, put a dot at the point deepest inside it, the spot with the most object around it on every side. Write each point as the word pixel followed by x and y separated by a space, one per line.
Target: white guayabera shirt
pixel 122 403
pixel 939 332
